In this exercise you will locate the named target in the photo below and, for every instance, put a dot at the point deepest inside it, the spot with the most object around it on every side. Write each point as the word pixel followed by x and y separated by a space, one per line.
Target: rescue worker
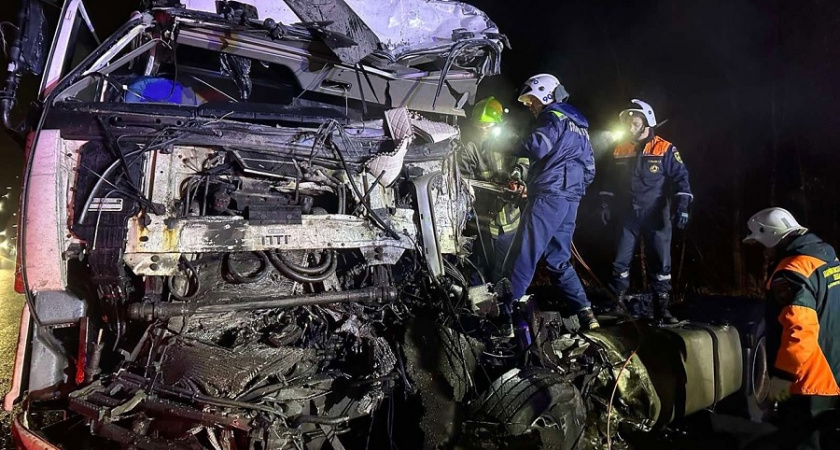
pixel 804 301
pixel 484 158
pixel 562 165
pixel 642 176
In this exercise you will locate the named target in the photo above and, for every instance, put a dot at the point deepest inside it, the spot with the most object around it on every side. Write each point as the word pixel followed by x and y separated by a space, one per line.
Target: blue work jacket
pixel 560 155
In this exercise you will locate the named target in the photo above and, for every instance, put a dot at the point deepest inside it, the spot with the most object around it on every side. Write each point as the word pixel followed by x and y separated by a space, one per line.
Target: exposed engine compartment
pixel 262 275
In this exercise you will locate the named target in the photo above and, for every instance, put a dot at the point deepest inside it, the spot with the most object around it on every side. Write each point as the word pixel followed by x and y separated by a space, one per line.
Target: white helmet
pixel 769 226
pixel 541 86
pixel 644 109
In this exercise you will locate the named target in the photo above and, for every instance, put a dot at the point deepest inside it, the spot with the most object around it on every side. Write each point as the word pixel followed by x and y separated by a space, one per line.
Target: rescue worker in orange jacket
pixel 645 174
pixel 804 300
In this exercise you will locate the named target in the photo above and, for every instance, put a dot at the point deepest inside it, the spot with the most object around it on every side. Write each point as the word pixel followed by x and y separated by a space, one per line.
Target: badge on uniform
pixel 677 156
pixel 654 168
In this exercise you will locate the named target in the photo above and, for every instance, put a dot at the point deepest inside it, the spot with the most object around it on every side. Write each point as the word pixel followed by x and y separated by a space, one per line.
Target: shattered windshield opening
pixel 221 62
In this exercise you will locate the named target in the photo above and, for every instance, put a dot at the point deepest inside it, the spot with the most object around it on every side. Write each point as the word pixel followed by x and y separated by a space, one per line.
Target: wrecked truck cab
pixel 242 227
pixel 223 207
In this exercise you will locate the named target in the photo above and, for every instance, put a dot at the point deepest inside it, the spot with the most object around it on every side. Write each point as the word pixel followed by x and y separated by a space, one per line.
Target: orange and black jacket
pixel 804 289
pixel 647 174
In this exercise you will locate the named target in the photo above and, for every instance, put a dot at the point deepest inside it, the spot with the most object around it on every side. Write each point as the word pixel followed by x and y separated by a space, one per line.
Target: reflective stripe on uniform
pixel 506 221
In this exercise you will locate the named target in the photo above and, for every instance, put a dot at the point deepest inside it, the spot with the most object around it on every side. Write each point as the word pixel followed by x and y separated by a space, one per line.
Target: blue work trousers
pixel 655 226
pixel 501 250
pixel 546 229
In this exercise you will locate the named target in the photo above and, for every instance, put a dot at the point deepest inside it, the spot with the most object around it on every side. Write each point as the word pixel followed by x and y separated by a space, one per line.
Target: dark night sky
pixel 738 80
pixel 750 89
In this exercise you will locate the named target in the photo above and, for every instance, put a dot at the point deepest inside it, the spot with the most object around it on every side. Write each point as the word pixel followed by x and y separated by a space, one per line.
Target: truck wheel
pixel 757 380
pixel 535 400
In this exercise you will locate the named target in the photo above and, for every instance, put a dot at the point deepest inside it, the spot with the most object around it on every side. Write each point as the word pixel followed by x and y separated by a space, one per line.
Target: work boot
pixel 623 302
pixel 587 319
pixel 663 312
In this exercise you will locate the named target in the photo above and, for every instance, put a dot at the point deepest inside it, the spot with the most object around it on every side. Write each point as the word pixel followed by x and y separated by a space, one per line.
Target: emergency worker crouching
pixel 643 174
pixel 562 165
pixel 803 325
pixel 486 156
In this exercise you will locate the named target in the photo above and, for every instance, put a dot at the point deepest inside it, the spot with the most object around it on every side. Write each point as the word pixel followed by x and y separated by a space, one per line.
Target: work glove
pixel 682 219
pixel 605 213
pixel 779 389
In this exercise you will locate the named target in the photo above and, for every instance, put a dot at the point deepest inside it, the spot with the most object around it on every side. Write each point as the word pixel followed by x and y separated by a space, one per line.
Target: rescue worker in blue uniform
pixel 643 175
pixel 485 158
pixel 562 165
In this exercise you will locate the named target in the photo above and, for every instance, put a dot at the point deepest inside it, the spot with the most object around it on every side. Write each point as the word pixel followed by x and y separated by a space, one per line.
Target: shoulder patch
pixel 677 156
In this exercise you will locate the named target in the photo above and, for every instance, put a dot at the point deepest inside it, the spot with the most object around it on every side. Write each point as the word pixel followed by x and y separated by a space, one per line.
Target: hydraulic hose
pixel 297 276
pixel 328 260
pixel 193 282
pixel 319 420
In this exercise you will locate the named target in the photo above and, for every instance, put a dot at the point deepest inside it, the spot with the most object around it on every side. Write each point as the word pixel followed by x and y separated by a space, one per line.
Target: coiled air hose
pixel 328 260
pixel 292 272
pixel 193 282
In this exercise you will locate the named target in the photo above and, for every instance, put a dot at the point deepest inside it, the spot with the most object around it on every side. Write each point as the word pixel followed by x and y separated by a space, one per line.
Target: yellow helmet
pixel 488 112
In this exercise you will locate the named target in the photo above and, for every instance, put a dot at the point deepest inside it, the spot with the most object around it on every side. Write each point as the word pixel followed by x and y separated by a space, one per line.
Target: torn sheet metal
pixel 276 10
pixel 336 17
pixel 405 26
pixel 227 372
pixel 391 28
pixel 239 70
pixel 638 401
pixel 414 89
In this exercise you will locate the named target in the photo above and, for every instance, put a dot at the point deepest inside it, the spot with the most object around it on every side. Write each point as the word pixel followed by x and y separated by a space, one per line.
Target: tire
pixel 533 400
pixel 756 380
